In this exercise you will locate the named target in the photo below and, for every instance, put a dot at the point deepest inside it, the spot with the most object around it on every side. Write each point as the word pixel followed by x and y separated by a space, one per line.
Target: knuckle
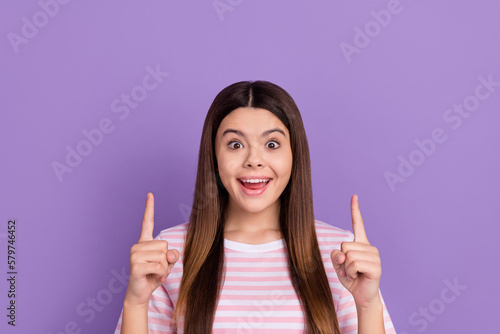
pixel 133 249
pixel 133 268
pixel 160 256
pixel 343 247
pixel 133 258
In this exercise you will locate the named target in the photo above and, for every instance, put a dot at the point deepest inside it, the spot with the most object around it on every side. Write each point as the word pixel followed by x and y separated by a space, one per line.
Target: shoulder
pixel 329 235
pixel 174 235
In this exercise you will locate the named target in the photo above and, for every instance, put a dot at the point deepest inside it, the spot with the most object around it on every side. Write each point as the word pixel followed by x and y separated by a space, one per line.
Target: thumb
pixel 338 259
pixel 172 256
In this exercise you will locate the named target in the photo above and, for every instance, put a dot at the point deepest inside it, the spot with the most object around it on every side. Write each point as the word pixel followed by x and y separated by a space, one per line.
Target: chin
pixel 255 207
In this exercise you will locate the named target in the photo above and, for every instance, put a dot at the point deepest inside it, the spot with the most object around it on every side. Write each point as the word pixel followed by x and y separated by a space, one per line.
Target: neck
pixel 244 222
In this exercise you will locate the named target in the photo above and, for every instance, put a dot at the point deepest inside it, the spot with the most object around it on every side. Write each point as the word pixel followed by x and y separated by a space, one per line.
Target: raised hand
pixel 150 261
pixel 358 264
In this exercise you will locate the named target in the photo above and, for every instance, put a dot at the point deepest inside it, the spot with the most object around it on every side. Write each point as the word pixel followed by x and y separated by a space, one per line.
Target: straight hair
pixel 203 261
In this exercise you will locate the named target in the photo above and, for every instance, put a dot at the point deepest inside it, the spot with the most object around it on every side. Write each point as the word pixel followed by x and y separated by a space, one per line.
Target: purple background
pixel 361 112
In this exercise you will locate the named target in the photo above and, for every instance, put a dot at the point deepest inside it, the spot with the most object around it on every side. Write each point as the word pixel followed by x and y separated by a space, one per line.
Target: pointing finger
pixel 148 219
pixel 358 227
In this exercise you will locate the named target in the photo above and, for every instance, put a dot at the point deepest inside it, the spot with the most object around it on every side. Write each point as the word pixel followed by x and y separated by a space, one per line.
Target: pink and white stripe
pixel 257 295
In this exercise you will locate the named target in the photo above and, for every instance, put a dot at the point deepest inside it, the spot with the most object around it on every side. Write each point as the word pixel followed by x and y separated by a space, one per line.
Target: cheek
pixel 228 169
pixel 284 166
pixel 230 165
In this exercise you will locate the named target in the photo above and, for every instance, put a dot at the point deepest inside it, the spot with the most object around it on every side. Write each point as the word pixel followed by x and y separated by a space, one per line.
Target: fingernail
pixel 338 257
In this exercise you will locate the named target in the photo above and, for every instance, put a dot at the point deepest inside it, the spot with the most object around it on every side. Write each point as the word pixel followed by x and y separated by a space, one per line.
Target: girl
pixel 252 258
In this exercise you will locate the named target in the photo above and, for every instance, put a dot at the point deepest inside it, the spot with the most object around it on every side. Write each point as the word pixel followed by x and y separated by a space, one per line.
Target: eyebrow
pixel 264 134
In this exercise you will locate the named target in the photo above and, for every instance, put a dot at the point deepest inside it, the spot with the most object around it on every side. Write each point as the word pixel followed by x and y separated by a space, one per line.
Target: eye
pixel 274 141
pixel 234 141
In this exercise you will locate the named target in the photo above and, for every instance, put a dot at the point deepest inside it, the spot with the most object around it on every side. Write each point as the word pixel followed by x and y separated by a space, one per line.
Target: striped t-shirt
pixel 257 294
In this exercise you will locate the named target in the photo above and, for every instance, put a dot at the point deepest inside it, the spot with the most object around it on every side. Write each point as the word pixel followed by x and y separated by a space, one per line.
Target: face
pixel 253 143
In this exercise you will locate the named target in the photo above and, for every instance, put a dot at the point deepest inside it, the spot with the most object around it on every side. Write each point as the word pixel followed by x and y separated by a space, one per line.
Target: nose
pixel 254 158
pixel 250 165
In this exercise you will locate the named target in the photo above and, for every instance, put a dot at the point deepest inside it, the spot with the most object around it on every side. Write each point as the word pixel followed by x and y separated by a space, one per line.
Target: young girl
pixel 252 258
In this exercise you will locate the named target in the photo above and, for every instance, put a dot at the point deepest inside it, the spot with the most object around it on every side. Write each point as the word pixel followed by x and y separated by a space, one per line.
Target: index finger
pixel 357 222
pixel 148 219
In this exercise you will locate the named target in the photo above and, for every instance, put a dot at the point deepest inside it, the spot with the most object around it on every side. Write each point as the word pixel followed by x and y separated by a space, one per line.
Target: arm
pixel 152 317
pixel 354 318
pixel 371 319
pixel 134 319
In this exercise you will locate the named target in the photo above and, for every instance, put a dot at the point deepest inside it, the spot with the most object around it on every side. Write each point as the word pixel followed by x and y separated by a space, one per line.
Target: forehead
pixel 251 121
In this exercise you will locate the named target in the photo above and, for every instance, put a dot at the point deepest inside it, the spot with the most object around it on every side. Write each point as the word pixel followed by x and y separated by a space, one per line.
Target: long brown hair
pixel 203 260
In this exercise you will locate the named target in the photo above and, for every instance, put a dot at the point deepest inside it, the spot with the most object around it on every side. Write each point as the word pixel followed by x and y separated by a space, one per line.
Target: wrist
pixel 370 317
pixel 375 305
pixel 129 304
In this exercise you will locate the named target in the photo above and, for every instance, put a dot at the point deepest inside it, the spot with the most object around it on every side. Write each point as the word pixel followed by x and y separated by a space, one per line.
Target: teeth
pixel 255 180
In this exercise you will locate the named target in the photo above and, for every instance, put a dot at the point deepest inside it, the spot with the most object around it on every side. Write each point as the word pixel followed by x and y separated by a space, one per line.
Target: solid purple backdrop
pixel 369 86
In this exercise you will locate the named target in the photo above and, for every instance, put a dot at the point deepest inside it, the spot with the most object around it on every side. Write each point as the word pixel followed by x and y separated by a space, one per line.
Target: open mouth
pixel 254 184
